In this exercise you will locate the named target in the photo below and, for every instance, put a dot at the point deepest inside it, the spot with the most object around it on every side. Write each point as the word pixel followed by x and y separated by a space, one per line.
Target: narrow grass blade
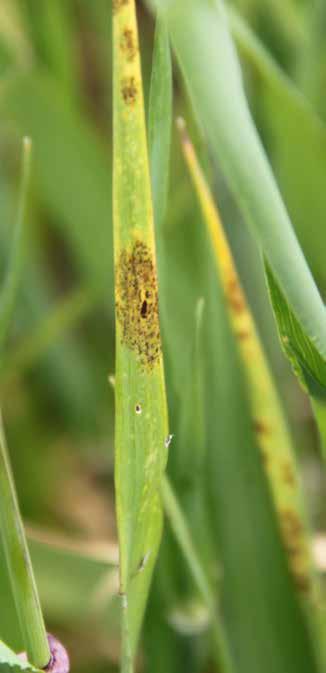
pixel 11 663
pixel 307 364
pixel 141 411
pixel 276 450
pixel 268 419
pixel 12 529
pixel 192 430
pixel 159 122
pixel 183 537
pixel 266 626
pixel 199 32
pixel 293 130
pixel 159 140
pixel 13 278
pixel 19 565
pixel 312 59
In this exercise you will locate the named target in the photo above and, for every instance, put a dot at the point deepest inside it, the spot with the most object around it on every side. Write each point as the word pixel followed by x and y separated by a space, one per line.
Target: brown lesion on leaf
pixel 235 295
pixel 243 334
pixel 265 458
pixel 288 474
pixel 128 44
pixel 129 90
pixel 293 535
pixel 261 427
pixel 118 4
pixel 137 303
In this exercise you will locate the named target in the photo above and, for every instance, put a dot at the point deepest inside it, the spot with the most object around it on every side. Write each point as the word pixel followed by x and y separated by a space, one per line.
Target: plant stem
pixel 19 565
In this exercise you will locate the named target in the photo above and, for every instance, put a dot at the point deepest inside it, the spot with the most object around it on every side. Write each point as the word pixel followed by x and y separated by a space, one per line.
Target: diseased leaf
pixel 141 411
pixel 268 420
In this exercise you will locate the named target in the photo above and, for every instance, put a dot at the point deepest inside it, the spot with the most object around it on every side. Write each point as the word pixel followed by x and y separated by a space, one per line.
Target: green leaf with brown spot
pixel 141 411
pixel 268 420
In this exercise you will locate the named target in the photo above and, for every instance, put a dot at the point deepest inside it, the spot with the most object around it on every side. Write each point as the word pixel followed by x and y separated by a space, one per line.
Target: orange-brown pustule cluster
pixel 137 303
pixel 235 295
pixel 128 44
pixel 129 90
pixel 293 536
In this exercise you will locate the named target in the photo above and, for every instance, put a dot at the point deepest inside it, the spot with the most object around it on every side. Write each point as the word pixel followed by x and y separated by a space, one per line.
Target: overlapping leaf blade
pixel 306 361
pixel 292 130
pixel 202 41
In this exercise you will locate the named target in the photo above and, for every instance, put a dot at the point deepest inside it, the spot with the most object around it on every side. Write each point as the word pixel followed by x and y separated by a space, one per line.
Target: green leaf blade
pixel 141 411
pixel 159 121
pixel 307 363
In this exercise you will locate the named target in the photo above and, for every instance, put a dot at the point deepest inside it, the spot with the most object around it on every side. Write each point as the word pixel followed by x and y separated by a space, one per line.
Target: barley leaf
pixel 141 412
pixel 268 420
pixel 293 131
pixel 267 631
pixel 11 526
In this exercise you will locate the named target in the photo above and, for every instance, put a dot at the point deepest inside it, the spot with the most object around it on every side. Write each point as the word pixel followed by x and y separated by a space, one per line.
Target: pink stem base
pixel 59 662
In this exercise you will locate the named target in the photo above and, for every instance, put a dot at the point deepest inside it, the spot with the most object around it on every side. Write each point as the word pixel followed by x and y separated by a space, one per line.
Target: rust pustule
pixel 235 296
pixel 128 44
pixel 129 90
pixel 265 458
pixel 243 335
pixel 293 535
pixel 288 474
pixel 137 303
pixel 261 428
pixel 292 524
